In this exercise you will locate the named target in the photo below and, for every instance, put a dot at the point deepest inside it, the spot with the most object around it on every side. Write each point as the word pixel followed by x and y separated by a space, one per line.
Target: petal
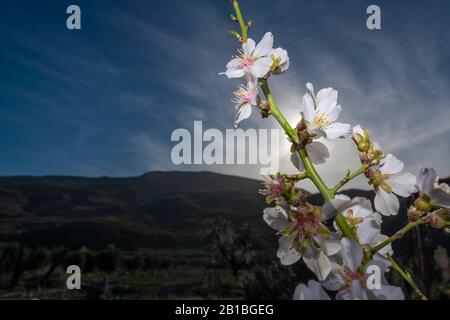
pixel 234 64
pixel 391 165
pixel 358 130
pixel 426 177
pixel 313 291
pixel 352 254
pixel 248 47
pixel 308 108
pixel 260 68
pixel 342 197
pixel 264 46
pixel 317 262
pixel 388 292
pixel 337 130
pixel 330 208
pixel 276 218
pixel 386 203
pixel 244 112
pixel 234 73
pixel 288 255
pixel 367 231
pixel 329 246
pixel 317 133
pixel 326 94
pixel 318 152
pixel 440 198
pixel 403 185
pixel 334 281
pixel 297 161
pixel 310 88
pixel 357 291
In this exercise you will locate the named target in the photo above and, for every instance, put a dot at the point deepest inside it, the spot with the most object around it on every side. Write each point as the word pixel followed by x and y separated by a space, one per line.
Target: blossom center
pixel 350 276
pixel 244 95
pixel 320 119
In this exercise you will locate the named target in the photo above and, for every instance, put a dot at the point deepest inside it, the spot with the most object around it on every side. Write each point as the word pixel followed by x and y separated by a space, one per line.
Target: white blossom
pixel 427 183
pixel 320 113
pixel 253 61
pixel 352 283
pixel 304 235
pixel 245 98
pixel 389 182
pixel 280 60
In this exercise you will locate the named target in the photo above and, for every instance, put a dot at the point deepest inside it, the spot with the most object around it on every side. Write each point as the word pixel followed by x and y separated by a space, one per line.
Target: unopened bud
pixel 363 147
pixel 423 203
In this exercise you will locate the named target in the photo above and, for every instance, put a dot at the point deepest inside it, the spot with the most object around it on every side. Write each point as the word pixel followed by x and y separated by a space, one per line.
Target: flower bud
pixel 363 146
pixel 423 203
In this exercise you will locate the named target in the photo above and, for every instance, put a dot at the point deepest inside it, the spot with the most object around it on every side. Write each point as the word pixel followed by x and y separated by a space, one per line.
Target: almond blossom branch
pixel 240 19
pixel 405 275
pixel 350 176
pixel 310 169
pixel 398 235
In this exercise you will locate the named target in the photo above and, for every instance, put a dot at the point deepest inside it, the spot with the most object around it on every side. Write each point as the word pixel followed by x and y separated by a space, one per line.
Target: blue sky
pixel 104 100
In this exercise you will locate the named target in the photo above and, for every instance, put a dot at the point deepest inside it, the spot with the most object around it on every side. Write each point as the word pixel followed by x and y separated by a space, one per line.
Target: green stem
pixel 309 167
pixel 244 27
pixel 399 234
pixel 405 275
pixel 348 178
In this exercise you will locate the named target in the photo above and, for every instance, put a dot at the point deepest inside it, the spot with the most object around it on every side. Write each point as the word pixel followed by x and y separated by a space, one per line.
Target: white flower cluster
pixel 342 253
pixel 254 61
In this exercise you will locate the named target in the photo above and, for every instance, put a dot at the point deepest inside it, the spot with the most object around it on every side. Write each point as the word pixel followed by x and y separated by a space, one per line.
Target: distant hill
pixel 155 210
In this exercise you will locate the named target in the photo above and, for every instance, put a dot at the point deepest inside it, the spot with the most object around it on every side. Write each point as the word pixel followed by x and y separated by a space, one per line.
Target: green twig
pixel 405 275
pixel 398 235
pixel 242 24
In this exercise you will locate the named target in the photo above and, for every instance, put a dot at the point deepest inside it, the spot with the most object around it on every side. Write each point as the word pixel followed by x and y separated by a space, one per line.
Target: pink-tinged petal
pixel 318 152
pixel 288 255
pixel 386 203
pixel 317 262
pixel 264 47
pixel 244 113
pixel 276 218
pixel 337 130
pixel 391 165
pixel 248 47
pixel 426 177
pixel 403 185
